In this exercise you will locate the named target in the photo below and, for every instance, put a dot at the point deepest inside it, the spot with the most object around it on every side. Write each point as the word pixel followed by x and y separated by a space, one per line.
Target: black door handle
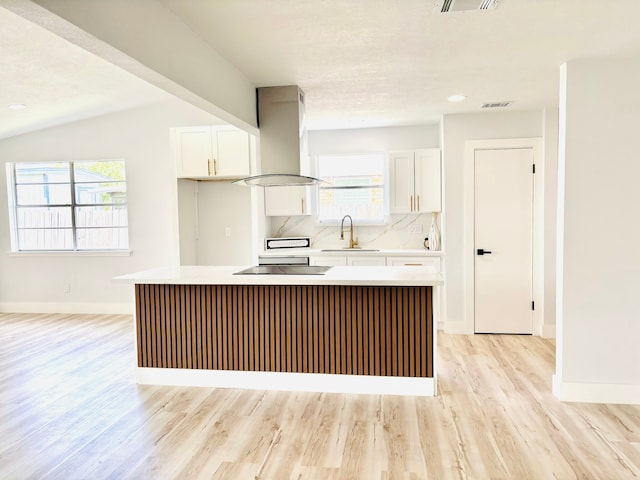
pixel 482 251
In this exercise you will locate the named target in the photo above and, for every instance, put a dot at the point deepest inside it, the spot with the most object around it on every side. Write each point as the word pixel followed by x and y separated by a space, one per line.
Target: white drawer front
pixel 430 262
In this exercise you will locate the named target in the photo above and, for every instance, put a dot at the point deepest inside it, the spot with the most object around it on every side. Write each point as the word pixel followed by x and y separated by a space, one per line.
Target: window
pixel 70 206
pixel 355 186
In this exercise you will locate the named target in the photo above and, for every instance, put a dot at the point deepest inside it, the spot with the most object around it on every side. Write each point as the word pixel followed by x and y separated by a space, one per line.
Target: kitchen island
pixel 353 329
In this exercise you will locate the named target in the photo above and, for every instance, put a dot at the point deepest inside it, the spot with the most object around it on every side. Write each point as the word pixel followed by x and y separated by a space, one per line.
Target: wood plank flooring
pixel 69 409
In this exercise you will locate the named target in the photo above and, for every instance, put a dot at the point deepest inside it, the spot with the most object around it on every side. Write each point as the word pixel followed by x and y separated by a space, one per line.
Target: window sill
pixel 65 253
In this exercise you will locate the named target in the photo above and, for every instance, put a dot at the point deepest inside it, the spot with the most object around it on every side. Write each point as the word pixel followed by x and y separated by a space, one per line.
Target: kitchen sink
pixel 349 250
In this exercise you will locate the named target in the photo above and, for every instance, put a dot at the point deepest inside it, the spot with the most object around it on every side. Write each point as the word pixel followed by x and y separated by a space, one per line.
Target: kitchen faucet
pixel 352 242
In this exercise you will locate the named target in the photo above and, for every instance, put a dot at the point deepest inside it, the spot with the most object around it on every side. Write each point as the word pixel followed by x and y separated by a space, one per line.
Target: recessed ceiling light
pixel 17 106
pixel 456 98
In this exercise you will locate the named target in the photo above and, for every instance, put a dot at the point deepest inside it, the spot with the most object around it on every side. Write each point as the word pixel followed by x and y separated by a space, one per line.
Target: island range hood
pixel 283 139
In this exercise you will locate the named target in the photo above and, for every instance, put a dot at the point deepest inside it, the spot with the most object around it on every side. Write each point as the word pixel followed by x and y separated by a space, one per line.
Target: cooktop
pixel 284 270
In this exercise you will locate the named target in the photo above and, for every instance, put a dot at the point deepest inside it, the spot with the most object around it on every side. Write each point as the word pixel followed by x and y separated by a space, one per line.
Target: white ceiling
pixel 361 63
pixel 58 81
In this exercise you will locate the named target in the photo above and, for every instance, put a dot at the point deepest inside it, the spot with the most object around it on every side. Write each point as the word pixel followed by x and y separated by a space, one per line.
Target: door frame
pixel 538 225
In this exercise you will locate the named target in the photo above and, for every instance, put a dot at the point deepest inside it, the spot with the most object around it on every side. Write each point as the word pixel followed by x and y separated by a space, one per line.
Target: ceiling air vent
pixel 496 105
pixel 449 6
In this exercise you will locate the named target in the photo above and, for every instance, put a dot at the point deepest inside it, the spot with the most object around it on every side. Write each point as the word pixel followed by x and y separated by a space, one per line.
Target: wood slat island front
pixel 288 332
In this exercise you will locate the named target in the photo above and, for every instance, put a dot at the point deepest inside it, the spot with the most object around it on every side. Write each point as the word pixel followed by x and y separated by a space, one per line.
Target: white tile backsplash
pixel 396 233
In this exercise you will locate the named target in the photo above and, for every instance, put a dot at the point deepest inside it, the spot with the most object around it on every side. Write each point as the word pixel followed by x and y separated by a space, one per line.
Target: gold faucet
pixel 352 242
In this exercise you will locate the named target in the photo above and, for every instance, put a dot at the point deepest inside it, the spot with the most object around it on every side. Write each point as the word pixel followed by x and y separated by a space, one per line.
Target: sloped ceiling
pixel 58 81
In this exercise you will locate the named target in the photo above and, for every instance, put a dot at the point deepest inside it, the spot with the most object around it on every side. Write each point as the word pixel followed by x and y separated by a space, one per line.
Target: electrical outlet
pixel 415 228
pixel 227 232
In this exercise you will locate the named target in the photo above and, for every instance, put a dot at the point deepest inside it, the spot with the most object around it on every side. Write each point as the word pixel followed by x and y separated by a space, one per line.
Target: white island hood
pixel 284 156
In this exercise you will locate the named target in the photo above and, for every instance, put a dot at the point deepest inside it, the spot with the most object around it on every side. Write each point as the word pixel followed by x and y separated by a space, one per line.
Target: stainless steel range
pixel 285 264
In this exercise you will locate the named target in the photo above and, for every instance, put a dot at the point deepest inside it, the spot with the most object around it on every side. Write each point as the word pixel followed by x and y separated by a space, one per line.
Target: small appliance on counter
pixel 432 241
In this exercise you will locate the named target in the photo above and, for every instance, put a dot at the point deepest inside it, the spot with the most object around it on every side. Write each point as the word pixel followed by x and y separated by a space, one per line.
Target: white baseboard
pixel 461 328
pixel 457 328
pixel 295 382
pixel 55 307
pixel 549 330
pixel 596 392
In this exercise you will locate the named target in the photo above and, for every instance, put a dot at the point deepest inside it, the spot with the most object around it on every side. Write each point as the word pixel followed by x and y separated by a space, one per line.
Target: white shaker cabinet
pixel 234 152
pixel 415 178
pixel 433 263
pixel 348 260
pixel 193 151
pixel 285 201
pixel 329 261
pixel 210 152
pixel 366 261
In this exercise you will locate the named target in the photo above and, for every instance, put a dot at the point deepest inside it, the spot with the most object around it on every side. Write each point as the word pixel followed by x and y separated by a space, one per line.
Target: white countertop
pixel 206 275
pixel 387 252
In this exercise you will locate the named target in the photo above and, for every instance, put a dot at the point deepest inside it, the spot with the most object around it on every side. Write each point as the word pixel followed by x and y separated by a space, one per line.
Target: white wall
pixel 456 130
pixel 550 173
pixel 363 140
pixel 141 137
pixel 203 237
pixel 598 258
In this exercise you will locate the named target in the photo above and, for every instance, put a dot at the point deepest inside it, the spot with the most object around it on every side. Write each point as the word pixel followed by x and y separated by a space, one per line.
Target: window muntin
pixel 355 185
pixel 70 206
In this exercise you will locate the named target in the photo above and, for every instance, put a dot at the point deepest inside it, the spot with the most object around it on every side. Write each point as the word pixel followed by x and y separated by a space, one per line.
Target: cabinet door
pixel 401 195
pixel 233 158
pixel 433 263
pixel 329 261
pixel 194 151
pixel 366 261
pixel 427 181
pixel 286 201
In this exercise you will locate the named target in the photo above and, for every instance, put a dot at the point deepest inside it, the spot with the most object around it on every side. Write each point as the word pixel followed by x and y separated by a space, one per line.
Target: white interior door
pixel 503 240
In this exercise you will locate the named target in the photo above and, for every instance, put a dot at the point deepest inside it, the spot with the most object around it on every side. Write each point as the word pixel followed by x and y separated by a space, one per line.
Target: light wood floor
pixel 69 409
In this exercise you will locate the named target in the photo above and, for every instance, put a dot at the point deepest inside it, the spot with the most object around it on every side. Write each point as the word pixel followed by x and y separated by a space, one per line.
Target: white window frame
pixel 385 188
pixel 73 205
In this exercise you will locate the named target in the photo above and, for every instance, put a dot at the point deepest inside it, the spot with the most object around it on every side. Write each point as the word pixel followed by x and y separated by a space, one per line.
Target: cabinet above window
pixel 212 152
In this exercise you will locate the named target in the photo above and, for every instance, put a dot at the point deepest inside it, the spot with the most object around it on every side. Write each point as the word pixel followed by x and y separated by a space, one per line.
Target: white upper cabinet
pixel 428 183
pixel 415 179
pixel 286 201
pixel 193 151
pixel 401 175
pixel 234 158
pixel 212 152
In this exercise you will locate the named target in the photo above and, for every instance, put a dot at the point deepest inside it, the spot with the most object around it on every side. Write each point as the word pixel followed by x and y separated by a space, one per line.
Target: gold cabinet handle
pixel 412 264
pixel 215 167
pixel 209 166
pixel 302 205
pixel 418 209
pixel 411 203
